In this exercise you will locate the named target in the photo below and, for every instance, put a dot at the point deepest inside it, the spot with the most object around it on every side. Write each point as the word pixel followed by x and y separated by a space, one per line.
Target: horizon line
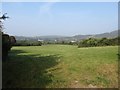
pixel 61 35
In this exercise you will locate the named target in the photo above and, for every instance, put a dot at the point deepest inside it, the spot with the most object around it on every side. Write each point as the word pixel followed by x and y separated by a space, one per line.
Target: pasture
pixel 61 66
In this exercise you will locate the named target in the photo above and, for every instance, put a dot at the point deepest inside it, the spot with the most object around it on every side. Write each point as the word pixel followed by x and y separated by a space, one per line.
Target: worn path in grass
pixel 60 66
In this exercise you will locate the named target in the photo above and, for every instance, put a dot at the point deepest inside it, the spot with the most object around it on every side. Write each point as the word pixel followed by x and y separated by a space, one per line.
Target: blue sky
pixel 60 18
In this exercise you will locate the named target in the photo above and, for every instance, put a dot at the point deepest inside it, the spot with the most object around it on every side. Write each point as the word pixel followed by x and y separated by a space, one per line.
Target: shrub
pixel 92 42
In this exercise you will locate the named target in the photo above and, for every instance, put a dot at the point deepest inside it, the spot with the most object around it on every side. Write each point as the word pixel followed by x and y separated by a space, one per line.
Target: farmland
pixel 60 66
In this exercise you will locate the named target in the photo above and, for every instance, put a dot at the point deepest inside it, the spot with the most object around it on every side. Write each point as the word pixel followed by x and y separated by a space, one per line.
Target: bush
pixel 92 42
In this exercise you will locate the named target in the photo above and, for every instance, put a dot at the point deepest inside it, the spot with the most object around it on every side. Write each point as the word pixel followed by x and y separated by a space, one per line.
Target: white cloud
pixel 45 10
pixel 46 7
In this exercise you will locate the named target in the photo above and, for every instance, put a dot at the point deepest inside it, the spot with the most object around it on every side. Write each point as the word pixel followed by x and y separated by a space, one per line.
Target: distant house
pixel 72 41
pixel 40 40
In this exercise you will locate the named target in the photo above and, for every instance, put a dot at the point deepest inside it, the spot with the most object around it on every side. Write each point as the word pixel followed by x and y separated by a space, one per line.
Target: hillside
pixel 107 35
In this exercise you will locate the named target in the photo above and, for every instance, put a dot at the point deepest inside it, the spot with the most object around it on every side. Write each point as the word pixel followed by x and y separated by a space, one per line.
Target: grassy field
pixel 60 66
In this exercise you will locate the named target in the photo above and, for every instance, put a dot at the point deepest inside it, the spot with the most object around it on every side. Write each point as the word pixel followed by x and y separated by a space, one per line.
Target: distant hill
pixel 64 38
pixel 107 35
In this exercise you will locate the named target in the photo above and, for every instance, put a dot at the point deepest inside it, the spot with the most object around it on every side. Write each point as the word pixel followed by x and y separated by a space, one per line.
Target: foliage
pixel 28 43
pixel 39 43
pixel 92 42
pixel 7 41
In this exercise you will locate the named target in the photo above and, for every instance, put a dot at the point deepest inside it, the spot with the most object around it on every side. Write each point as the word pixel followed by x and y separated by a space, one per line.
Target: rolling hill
pixel 112 34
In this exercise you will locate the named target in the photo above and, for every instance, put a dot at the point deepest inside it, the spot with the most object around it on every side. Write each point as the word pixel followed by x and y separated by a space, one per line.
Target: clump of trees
pixel 7 43
pixel 92 42
pixel 28 43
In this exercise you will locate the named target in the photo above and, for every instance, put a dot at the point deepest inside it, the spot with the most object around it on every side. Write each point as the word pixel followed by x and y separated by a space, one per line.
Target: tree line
pixel 39 43
pixel 93 42
pixel 28 43
pixel 89 42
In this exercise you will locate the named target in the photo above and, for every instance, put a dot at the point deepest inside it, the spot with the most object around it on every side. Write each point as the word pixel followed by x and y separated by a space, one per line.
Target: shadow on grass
pixel 28 71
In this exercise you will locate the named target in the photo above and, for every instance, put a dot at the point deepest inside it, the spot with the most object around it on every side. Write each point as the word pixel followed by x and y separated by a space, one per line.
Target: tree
pixel 7 41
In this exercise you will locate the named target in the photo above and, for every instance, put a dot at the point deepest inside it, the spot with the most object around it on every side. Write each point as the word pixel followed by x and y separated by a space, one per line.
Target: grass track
pixel 59 66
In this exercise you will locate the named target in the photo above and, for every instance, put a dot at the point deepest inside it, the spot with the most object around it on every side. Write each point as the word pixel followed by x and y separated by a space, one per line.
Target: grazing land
pixel 60 66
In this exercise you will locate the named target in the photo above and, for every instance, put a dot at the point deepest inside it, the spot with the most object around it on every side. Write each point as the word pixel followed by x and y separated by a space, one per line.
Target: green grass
pixel 60 66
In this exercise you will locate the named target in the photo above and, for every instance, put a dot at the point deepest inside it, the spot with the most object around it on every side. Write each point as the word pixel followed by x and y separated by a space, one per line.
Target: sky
pixel 60 18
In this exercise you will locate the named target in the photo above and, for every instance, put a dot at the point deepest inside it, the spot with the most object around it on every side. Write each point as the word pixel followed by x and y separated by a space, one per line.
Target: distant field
pixel 60 66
